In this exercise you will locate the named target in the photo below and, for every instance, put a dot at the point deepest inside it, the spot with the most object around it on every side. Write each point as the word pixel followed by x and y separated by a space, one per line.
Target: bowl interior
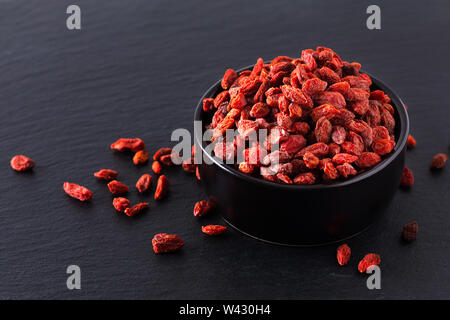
pixel 401 135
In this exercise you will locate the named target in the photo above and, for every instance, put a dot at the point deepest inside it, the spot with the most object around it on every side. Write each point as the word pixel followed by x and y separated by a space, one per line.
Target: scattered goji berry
pixel 21 163
pixel 76 191
pixel 410 230
pixel 106 174
pixel 411 143
pixel 438 161
pixel 140 157
pixel 407 179
pixel 343 254
pixel 156 167
pixel 163 242
pixel 131 211
pixel 188 165
pixel 370 259
pixel 144 182
pixel 161 152
pixel 120 204
pixel 213 230
pixel 123 144
pixel 117 187
pixel 201 208
pixel 162 187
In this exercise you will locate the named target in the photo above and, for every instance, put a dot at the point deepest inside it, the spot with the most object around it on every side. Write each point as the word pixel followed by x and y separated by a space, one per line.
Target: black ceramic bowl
pixel 310 214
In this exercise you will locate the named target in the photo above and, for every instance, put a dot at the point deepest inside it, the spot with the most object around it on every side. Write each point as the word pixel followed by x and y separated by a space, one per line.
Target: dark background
pixel 138 68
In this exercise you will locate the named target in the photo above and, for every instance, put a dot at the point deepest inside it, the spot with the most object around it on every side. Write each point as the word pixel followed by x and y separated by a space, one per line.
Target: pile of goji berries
pixel 319 109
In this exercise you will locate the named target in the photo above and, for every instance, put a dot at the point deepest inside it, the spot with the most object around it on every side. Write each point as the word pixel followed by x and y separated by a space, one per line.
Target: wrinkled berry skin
pixel 124 144
pixel 117 187
pixel 78 192
pixel 136 209
pixel 163 242
pixel 370 259
pixel 213 230
pixel 106 174
pixel 120 204
pixel 21 163
pixel 410 230
pixel 343 254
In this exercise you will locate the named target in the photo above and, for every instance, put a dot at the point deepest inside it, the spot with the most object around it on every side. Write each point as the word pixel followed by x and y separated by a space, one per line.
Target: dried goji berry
pixel 140 157
pixel 106 174
pixel 213 230
pixel 323 130
pixel 156 167
pixel 246 167
pixel 208 104
pixel 162 187
pixel 407 179
pixel 163 242
pixel 438 161
pixel 161 152
pixel 383 146
pixel 228 78
pixel 136 209
pixel 117 187
pixel 343 254
pixel 188 165
pixel 367 160
pixel 21 163
pixel 311 161
pixel 346 170
pixel 76 191
pixel 144 182
pixel 411 141
pixel 305 178
pixel 410 230
pixel 370 259
pixel 123 144
pixel 342 158
pixel 201 208
pixel 120 204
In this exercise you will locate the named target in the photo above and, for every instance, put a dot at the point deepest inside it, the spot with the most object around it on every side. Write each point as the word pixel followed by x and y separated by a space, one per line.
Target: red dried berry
pixel 213 230
pixel 163 242
pixel 140 157
pixel 123 144
pixel 411 143
pixel 136 209
pixel 343 254
pixel 410 230
pixel 117 187
pixel 438 161
pixel 188 165
pixel 208 104
pixel 311 161
pixel 342 158
pixel 156 167
pixel 201 208
pixel 383 146
pixel 367 160
pixel 305 178
pixel 161 187
pixel 370 259
pixel 228 78
pixel 76 191
pixel 407 179
pixel 106 174
pixel 120 204
pixel 143 184
pixel 21 163
pixel 161 152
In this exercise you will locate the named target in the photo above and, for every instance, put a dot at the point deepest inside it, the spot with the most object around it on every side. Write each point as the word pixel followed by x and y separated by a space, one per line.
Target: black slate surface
pixel 138 68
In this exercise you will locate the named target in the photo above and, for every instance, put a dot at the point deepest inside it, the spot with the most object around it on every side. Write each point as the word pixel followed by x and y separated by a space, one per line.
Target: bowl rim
pixel 397 103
